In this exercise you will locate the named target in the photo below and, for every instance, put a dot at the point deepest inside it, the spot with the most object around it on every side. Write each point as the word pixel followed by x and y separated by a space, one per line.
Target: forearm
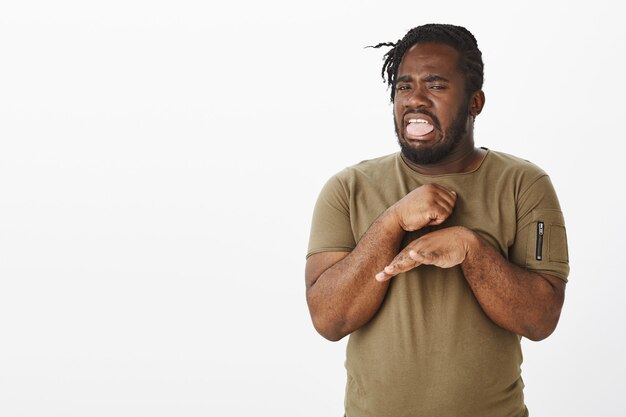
pixel 346 296
pixel 524 302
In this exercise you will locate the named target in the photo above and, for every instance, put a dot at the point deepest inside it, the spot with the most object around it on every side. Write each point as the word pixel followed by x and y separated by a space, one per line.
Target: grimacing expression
pixel 431 106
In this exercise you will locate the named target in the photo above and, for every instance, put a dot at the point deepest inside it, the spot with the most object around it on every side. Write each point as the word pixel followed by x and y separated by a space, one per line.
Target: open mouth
pixel 418 128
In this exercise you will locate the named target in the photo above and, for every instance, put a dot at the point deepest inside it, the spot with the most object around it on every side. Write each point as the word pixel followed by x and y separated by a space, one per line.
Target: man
pixel 438 259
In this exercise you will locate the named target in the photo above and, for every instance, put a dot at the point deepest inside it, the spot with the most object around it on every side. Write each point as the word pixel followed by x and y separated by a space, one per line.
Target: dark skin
pixel 345 289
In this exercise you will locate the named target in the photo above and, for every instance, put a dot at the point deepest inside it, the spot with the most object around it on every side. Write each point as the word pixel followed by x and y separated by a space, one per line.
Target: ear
pixel 477 102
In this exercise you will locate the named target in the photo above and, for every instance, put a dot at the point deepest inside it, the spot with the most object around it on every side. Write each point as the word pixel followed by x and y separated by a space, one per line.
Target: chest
pixel 488 209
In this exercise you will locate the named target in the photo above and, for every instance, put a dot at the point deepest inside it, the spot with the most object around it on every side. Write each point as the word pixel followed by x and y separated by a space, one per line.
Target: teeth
pixel 418 121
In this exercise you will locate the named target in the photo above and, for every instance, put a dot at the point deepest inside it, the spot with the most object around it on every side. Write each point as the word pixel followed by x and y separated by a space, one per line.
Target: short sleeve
pixel 541 239
pixel 331 229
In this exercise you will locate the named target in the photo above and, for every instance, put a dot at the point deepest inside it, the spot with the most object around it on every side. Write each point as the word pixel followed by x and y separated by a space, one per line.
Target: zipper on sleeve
pixel 539 247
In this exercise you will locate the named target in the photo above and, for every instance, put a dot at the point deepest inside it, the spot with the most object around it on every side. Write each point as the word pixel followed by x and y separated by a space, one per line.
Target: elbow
pixel 543 321
pixel 537 336
pixel 329 330
pixel 541 330
pixel 329 323
pixel 329 326
pixel 333 337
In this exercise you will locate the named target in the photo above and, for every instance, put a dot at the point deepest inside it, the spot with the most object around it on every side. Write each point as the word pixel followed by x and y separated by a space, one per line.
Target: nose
pixel 417 98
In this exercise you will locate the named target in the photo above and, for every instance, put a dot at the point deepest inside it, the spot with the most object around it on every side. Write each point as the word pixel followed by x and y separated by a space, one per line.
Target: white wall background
pixel 159 162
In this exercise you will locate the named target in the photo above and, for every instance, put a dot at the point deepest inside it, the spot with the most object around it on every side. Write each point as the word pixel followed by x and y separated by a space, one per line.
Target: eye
pixel 402 87
pixel 437 87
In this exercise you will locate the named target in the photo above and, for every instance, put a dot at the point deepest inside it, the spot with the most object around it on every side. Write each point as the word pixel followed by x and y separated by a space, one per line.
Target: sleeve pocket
pixel 557 251
pixel 547 243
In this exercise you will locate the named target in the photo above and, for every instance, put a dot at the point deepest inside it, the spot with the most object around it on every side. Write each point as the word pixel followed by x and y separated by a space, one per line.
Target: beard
pixel 433 154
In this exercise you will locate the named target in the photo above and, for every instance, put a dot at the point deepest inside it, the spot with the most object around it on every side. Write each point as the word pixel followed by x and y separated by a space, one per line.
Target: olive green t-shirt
pixel 430 350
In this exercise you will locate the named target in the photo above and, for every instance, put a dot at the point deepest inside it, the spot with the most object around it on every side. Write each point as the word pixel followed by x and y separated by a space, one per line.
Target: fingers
pixel 401 263
pixel 446 195
pixel 447 200
pixel 427 205
pixel 443 248
pixel 442 204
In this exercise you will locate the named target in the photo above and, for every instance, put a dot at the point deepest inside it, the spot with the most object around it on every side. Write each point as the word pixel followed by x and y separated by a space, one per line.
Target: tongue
pixel 419 129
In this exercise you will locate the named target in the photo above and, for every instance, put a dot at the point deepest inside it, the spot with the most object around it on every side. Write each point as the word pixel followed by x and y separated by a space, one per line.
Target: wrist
pixel 471 241
pixel 392 219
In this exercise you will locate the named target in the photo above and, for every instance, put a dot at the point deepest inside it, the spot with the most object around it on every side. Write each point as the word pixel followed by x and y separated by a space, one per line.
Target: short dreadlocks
pixel 470 61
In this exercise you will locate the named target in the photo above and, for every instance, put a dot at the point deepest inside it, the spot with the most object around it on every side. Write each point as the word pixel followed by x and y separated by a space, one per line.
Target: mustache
pixel 434 118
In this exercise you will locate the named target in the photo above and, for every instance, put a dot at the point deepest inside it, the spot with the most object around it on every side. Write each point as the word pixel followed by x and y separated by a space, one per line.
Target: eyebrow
pixel 432 77
pixel 404 79
pixel 427 78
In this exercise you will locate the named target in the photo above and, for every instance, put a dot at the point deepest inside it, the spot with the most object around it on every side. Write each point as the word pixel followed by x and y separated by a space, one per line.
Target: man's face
pixel 431 106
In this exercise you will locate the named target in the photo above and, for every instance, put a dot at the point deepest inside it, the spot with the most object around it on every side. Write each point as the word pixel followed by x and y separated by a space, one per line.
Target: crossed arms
pixel 344 290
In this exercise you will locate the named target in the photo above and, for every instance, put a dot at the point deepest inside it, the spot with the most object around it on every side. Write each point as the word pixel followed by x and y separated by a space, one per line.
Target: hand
pixel 444 248
pixel 428 205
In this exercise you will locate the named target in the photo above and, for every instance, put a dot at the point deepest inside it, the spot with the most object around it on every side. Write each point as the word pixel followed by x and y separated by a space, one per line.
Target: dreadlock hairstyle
pixel 470 61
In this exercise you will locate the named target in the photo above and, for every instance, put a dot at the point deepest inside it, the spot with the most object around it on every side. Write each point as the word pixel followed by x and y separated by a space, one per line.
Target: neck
pixel 464 158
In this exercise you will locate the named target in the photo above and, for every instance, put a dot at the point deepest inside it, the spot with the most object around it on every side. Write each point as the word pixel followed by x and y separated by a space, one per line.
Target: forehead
pixel 435 58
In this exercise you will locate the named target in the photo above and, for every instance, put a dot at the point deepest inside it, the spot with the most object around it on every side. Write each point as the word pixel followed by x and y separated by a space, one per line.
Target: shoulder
pixel 523 177
pixel 369 169
pixel 364 174
pixel 504 164
pixel 504 160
